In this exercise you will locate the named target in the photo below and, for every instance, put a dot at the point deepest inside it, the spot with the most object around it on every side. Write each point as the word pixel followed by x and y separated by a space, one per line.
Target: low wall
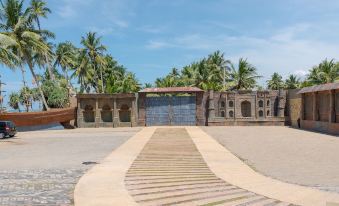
pixel 25 119
pixel 326 127
pixel 221 122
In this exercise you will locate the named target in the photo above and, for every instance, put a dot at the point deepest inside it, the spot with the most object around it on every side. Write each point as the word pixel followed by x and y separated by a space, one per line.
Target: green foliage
pixel 28 45
pixel 276 82
pixel 292 82
pixel 56 96
pixel 208 73
pixel 14 101
pixel 326 72
pixel 244 76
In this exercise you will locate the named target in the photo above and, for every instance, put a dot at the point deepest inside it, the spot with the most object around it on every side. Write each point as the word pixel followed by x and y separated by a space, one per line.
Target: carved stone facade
pixel 247 108
pixel 211 108
pixel 106 110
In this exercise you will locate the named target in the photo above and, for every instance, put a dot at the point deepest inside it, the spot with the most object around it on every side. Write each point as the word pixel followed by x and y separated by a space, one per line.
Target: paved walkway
pixel 184 166
pixel 171 171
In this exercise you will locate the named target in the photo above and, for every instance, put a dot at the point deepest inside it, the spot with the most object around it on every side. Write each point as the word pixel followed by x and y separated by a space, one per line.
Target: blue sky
pixel 150 37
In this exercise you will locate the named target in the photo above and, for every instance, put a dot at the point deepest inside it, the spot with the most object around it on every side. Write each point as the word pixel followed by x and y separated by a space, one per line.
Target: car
pixel 7 129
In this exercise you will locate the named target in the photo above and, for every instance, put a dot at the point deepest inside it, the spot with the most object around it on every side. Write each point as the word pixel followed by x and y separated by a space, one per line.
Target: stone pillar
pixel 115 114
pixel 133 119
pixel 200 109
pixel 226 104
pixel 302 107
pixel 80 114
pixel 141 109
pixel 97 113
pixel 332 114
pixel 282 103
pixel 315 108
pixel 211 109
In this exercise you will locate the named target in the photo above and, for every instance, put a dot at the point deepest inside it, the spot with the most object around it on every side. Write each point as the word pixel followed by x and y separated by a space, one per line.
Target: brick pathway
pixel 171 171
pixel 50 187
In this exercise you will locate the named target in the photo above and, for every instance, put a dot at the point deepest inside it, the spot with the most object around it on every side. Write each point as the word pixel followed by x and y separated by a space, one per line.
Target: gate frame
pixel 199 95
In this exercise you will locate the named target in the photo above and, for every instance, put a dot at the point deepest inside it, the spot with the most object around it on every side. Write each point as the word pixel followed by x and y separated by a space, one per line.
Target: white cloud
pixel 286 50
pixel 101 31
pixel 301 73
pixel 153 29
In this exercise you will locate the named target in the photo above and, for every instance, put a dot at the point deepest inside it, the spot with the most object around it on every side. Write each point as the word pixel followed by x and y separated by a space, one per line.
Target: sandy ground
pixel 290 155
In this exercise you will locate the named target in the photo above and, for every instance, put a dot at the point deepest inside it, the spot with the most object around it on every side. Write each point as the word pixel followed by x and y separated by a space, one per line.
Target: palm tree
pixel 38 9
pixel 244 76
pixel 326 72
pixel 94 51
pixel 84 71
pixel 292 82
pixel 219 64
pixel 29 42
pixel 276 82
pixel 14 101
pixel 66 58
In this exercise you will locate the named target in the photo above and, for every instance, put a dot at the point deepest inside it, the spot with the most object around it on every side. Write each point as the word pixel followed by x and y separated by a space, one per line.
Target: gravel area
pixel 42 168
pixel 291 155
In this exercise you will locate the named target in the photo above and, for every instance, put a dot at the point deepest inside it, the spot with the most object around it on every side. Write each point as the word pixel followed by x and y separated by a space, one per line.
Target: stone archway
pixel 89 114
pixel 125 113
pixel 106 114
pixel 246 110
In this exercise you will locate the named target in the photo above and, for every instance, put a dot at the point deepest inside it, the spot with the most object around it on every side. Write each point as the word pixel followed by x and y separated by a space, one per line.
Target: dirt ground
pixel 291 155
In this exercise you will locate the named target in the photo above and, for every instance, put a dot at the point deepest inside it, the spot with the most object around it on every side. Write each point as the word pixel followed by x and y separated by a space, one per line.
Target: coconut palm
pixel 276 82
pixel 38 9
pixel 326 72
pixel 66 58
pixel 84 71
pixel 220 65
pixel 94 51
pixel 27 42
pixel 14 101
pixel 244 76
pixel 292 82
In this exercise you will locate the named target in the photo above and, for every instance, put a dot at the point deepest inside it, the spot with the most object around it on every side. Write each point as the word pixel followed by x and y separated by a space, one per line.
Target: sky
pixel 149 37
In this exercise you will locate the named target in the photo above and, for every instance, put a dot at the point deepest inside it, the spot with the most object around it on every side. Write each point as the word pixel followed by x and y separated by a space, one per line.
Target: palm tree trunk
pixel 23 76
pixel 42 96
pixel 102 82
pixel 50 71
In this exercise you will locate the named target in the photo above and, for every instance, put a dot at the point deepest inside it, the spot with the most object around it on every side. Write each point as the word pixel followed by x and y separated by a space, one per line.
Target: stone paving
pixel 171 171
pixel 50 187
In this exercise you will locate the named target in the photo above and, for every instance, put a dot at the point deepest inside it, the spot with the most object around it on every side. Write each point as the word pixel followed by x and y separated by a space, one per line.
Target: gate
pixel 171 110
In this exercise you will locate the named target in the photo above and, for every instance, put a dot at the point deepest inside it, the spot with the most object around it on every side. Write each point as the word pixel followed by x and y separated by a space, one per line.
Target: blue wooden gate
pixel 171 110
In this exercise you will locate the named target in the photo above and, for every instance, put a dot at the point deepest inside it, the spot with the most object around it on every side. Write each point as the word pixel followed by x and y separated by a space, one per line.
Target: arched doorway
pixel 246 109
pixel 106 114
pixel 89 114
pixel 125 113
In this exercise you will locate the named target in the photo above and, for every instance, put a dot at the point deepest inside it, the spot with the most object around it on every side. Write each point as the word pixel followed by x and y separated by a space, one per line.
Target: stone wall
pixel 246 108
pixel 293 107
pixel 319 111
pixel 107 110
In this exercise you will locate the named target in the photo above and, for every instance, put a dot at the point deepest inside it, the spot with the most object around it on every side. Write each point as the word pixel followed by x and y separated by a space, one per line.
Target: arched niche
pixel 106 114
pixel 125 113
pixel 89 114
pixel 261 103
pixel 246 109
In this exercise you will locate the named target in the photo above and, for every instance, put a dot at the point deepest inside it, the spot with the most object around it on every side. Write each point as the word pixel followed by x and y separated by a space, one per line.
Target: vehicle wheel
pixel 11 135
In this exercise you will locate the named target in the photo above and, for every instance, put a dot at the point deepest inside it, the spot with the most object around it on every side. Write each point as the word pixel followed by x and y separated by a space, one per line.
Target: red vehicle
pixel 7 129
